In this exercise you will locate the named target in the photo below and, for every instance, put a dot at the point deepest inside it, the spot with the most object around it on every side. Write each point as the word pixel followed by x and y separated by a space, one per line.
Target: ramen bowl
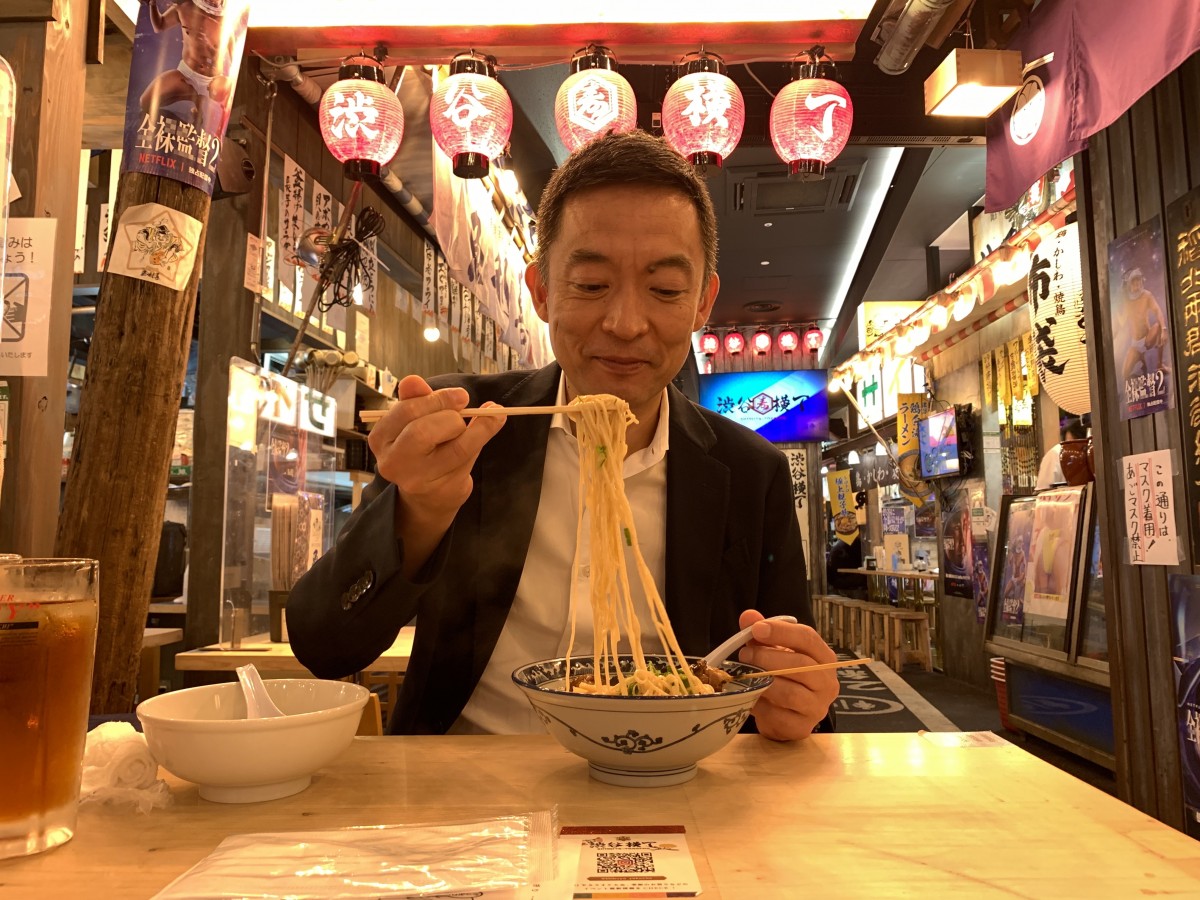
pixel 202 735
pixel 638 741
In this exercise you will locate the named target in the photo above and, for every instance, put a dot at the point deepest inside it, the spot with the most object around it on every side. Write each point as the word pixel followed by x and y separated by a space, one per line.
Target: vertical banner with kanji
pixel 455 317
pixel 841 506
pixel 322 208
pixel 1149 514
pixel 798 469
pixel 291 221
pixel 1031 377
pixel 1184 591
pixel 28 279
pixel 442 311
pixel 1183 251
pixel 911 407
pixel 1004 393
pixel 989 382
pixel 429 275
pixel 181 78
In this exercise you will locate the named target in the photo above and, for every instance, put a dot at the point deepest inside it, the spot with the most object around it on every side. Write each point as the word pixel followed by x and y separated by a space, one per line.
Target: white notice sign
pixel 1150 525
pixel 28 285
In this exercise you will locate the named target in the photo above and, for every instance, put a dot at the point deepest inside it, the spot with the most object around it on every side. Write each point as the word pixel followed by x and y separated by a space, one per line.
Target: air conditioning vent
pixel 911 140
pixel 769 191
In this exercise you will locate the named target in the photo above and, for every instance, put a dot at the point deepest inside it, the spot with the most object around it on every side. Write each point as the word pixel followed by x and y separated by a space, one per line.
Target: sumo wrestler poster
pixel 186 56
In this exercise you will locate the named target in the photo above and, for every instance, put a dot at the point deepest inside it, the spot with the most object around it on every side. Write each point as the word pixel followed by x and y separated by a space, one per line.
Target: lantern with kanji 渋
pixel 361 119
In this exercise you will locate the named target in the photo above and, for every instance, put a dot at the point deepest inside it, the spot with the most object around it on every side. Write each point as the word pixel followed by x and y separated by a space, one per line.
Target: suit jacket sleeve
pixel 348 608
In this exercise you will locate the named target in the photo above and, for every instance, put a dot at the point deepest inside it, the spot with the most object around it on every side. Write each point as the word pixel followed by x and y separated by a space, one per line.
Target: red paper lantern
pixel 361 120
pixel 811 119
pixel 471 115
pixel 709 343
pixel 703 112
pixel 594 100
pixel 734 342
pixel 762 341
pixel 814 338
pixel 788 340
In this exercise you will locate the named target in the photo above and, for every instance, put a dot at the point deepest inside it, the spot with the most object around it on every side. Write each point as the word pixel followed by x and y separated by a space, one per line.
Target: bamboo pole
pixel 117 483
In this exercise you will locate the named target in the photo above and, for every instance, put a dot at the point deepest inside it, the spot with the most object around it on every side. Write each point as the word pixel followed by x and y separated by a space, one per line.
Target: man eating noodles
pixel 470 524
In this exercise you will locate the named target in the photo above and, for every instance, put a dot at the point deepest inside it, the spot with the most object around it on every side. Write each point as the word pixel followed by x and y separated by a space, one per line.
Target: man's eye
pixel 668 293
pixel 588 288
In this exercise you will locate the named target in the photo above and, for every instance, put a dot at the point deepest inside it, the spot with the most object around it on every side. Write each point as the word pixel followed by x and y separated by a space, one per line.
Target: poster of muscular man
pixel 1137 288
pixel 186 55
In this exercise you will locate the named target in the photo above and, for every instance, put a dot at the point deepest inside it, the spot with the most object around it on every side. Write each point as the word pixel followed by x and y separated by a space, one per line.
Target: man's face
pixel 624 291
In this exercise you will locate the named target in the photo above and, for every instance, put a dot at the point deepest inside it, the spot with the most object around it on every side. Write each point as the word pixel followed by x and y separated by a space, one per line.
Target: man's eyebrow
pixel 675 261
pixel 577 257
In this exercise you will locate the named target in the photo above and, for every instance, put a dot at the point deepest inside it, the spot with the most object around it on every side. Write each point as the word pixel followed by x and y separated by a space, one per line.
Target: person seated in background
pixel 1050 473
pixel 469 525
pixel 846 555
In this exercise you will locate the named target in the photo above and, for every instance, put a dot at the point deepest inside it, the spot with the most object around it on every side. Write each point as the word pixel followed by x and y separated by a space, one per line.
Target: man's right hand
pixel 427 449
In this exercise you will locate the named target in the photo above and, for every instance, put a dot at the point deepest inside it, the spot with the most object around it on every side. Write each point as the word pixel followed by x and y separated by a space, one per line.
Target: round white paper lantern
pixel 1057 319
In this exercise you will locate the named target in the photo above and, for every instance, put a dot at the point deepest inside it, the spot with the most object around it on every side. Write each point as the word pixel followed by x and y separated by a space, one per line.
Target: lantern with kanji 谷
pixel 361 119
pixel 1056 316
pixel 594 100
pixel 811 118
pixel 703 112
pixel 470 115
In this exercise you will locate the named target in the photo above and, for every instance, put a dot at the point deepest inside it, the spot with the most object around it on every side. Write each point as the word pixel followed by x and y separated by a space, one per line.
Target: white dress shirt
pixel 539 623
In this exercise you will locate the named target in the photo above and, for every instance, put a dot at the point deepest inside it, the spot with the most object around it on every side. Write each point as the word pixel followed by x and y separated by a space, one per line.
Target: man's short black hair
pixel 1073 430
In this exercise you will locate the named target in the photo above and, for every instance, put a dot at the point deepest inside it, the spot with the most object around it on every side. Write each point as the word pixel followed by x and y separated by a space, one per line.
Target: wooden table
pixel 153 640
pixel 279 658
pixel 839 815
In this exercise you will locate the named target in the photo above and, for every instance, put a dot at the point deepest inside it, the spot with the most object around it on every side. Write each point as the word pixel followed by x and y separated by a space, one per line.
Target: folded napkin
pixel 118 768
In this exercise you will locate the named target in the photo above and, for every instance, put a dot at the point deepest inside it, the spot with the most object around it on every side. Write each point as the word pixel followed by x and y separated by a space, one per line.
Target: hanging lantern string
pixel 343 267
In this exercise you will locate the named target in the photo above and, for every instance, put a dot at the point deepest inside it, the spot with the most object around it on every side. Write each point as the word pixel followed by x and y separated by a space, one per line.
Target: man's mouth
pixel 620 364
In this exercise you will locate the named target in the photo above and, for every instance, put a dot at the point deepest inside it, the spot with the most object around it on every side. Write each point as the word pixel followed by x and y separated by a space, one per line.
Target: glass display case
pixel 279 496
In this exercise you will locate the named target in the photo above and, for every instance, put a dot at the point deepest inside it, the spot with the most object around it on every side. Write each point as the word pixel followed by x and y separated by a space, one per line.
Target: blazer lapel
pixel 510 485
pixel 697 505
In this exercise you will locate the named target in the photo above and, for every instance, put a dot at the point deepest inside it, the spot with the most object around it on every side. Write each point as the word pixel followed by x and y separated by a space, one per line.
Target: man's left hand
pixel 793 706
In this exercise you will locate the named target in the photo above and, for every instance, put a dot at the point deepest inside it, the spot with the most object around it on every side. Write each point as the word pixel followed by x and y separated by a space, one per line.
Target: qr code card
pixel 651 860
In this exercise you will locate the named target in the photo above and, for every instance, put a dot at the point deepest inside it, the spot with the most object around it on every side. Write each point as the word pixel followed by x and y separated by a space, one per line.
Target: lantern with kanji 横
pixel 703 112
pixel 788 340
pixel 594 100
pixel 1056 316
pixel 362 122
pixel 811 118
pixel 470 115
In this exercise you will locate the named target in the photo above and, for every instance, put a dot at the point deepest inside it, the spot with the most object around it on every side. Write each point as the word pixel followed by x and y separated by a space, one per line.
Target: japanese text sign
pixel 1150 509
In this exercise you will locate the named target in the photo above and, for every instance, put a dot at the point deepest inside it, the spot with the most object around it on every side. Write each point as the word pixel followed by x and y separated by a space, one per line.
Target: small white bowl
pixel 202 735
pixel 638 741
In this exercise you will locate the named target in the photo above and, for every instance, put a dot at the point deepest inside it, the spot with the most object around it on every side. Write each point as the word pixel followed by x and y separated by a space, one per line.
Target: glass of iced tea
pixel 48 611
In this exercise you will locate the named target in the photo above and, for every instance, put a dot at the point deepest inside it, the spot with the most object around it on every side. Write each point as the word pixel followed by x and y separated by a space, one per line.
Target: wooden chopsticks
pixel 374 415
pixel 840 664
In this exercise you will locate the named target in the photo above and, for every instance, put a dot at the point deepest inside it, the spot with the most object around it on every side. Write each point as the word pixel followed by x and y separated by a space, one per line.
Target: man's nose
pixel 625 315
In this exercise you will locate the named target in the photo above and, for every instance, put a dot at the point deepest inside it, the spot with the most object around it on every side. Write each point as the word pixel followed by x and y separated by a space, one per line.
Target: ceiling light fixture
pixel 594 100
pixel 765 262
pixel 471 115
pixel 972 82
pixel 811 117
pixel 703 112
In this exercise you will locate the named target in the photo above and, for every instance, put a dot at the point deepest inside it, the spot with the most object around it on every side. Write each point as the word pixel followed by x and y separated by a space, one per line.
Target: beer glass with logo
pixel 48 612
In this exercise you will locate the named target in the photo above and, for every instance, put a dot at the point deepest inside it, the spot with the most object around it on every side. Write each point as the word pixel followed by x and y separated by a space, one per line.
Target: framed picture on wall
pixel 1037 574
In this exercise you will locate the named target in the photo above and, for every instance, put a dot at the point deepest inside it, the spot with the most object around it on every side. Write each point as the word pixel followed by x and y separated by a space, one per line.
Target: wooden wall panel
pixel 1133 170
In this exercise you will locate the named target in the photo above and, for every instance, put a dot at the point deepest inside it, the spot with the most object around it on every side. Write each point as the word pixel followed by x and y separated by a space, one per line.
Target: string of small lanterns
pixel 471 116
pixel 787 340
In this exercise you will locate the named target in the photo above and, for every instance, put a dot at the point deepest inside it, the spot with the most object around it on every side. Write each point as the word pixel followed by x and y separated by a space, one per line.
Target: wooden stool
pixel 908 639
pixel 840 622
pixel 824 607
pixel 875 627
pixel 855 631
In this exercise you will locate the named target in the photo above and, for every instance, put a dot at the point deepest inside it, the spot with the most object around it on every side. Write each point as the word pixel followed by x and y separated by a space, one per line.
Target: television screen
pixel 937 436
pixel 781 406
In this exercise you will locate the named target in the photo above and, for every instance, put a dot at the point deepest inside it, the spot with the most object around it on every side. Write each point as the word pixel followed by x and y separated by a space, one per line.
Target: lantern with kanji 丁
pixel 1056 317
pixel 811 118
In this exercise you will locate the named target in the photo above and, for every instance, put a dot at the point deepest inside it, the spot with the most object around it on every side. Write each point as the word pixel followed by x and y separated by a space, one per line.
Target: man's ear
pixel 537 289
pixel 708 296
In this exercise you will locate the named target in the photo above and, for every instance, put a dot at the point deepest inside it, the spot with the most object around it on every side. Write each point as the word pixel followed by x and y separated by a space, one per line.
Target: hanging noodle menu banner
pixel 1183 250
pixel 185 64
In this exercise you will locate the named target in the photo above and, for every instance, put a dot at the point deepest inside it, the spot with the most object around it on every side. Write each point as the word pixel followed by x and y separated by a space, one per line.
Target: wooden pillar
pixel 47 57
